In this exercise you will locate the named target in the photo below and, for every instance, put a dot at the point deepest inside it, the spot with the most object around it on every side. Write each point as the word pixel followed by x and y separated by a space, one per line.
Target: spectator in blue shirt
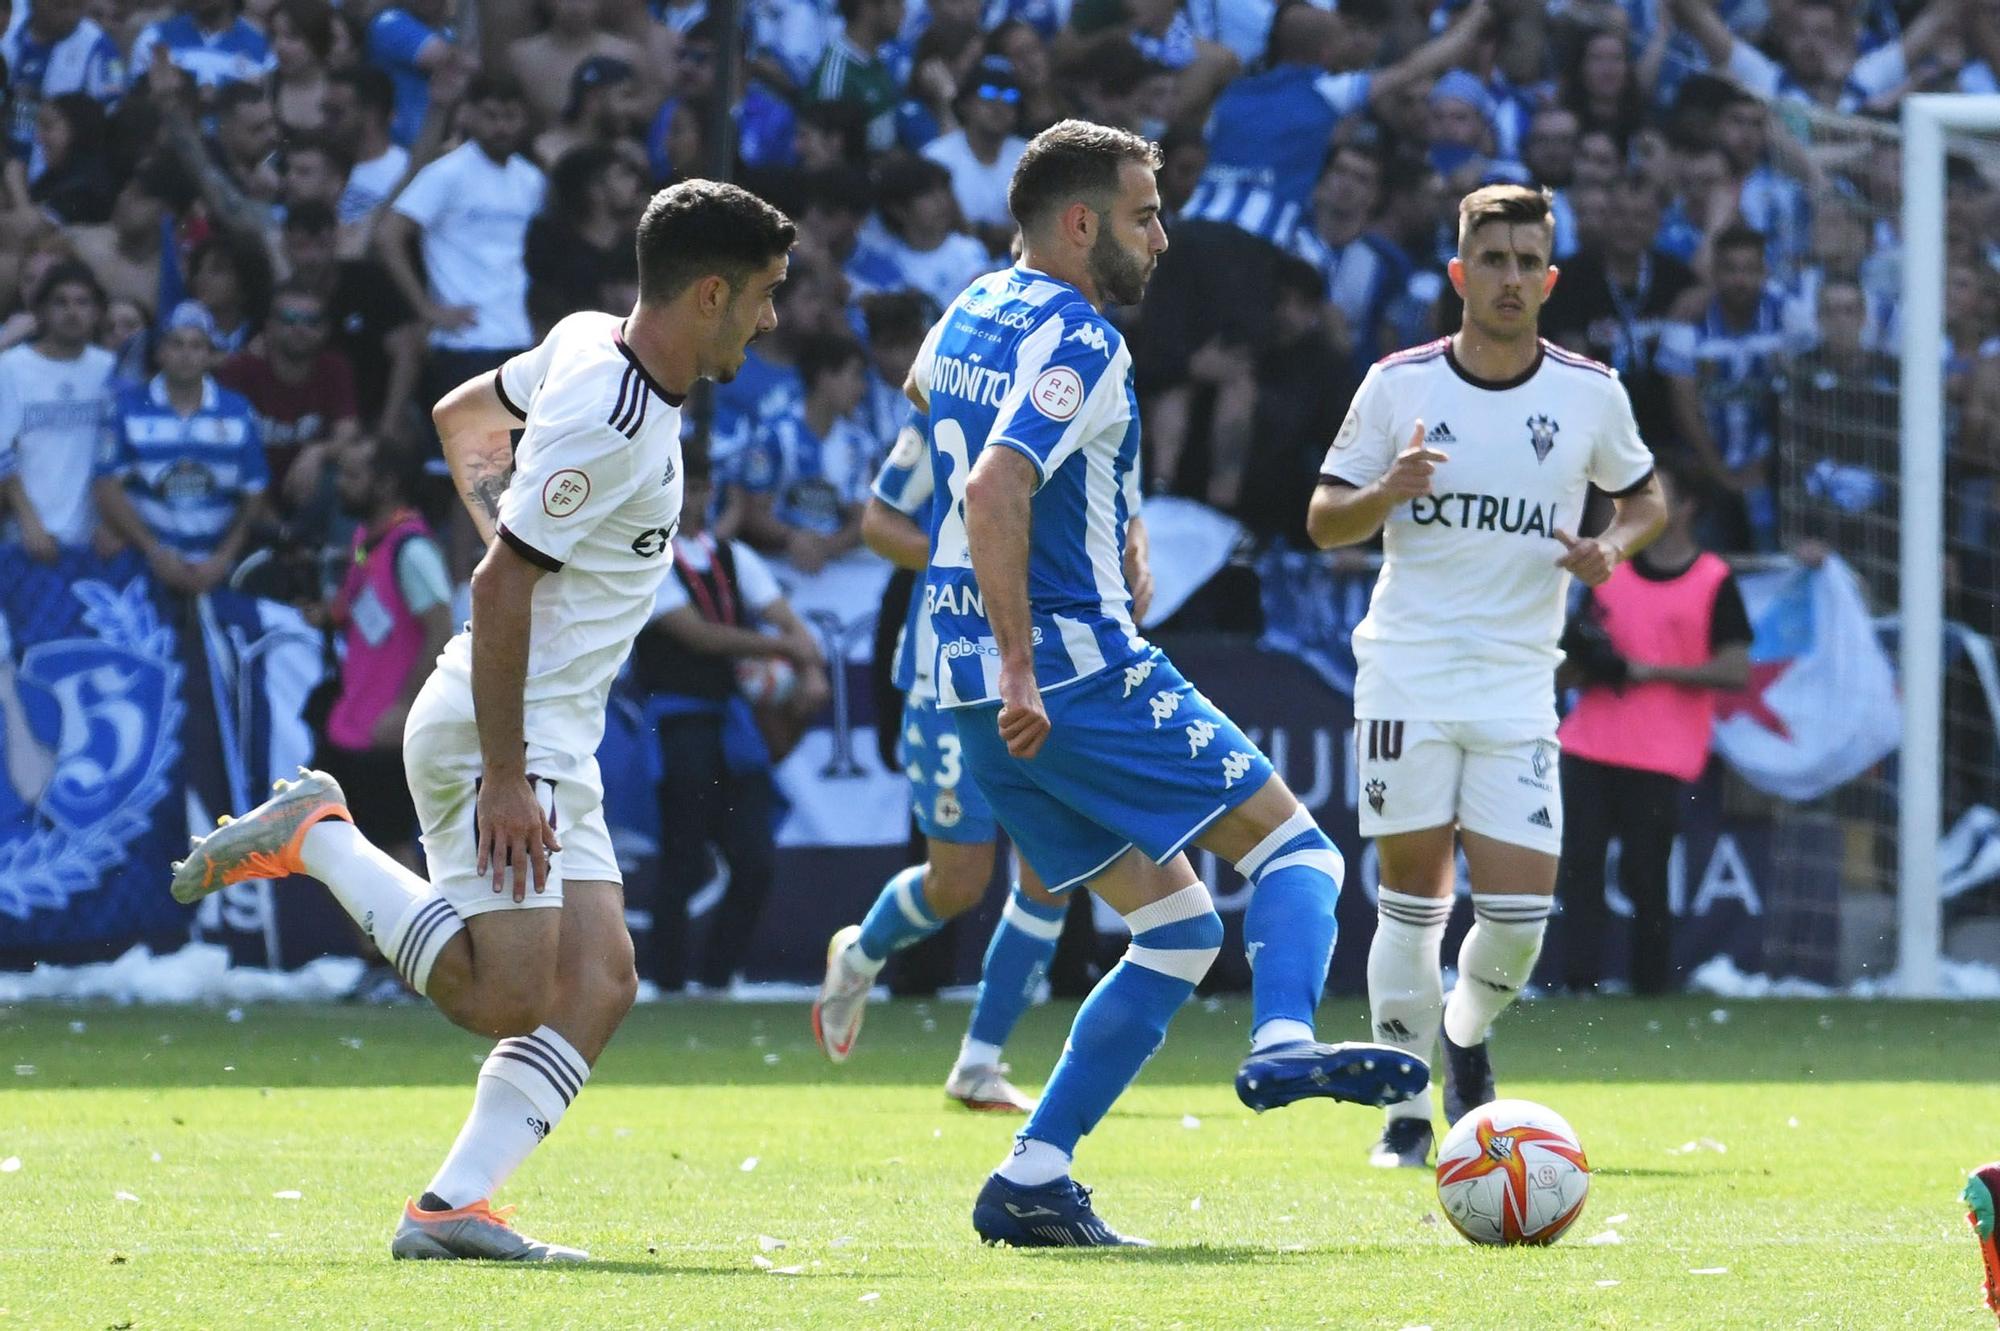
pixel 807 471
pixel 57 51
pixel 181 472
pixel 209 42
pixel 410 41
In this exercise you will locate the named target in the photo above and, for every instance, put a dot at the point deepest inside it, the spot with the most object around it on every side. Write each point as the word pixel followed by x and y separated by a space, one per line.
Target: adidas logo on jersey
pixel 1540 818
pixel 1440 434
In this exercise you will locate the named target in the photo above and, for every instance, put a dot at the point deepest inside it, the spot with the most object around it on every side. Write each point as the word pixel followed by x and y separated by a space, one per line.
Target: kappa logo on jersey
pixel 1542 436
pixel 1234 767
pixel 1164 704
pixel 565 492
pixel 1135 675
pixel 1378 794
pixel 1090 335
pixel 1199 734
pixel 1440 434
pixel 1057 393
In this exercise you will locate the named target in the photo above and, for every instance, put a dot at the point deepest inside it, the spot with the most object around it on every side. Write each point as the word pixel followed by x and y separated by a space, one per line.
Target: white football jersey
pixel 1466 614
pixel 595 499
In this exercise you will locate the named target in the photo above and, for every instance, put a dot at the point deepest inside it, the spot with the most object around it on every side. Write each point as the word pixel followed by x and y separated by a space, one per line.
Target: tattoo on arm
pixel 487 490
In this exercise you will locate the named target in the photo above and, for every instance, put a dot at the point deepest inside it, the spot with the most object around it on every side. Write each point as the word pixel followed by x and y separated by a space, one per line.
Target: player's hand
pixel 1409 476
pixel 1023 722
pixel 1139 581
pixel 514 833
pixel 1588 558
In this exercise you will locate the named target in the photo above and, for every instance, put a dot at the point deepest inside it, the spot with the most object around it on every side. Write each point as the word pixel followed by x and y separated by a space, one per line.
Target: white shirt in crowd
pixel 51 416
pixel 981 190
pixel 940 273
pixel 369 184
pixel 1464 619
pixel 596 498
pixel 756 586
pixel 474 213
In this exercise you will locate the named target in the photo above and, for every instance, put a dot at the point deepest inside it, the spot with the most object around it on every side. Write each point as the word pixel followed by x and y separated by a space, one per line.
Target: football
pixel 768 679
pixel 1512 1171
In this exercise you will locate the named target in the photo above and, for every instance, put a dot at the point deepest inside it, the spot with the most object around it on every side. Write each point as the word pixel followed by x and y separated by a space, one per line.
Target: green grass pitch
pixel 181 1169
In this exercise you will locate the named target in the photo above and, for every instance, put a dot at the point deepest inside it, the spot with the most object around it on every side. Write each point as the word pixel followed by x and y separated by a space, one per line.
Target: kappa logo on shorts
pixel 1199 734
pixel 1164 704
pixel 1234 767
pixel 1540 818
pixel 1377 792
pixel 1135 675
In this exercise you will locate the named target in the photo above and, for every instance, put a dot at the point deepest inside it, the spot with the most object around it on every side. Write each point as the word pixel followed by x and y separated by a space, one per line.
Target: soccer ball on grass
pixel 1511 1172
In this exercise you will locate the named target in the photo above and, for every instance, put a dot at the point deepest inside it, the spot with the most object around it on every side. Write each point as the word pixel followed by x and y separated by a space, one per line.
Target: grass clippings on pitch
pixel 1785 1164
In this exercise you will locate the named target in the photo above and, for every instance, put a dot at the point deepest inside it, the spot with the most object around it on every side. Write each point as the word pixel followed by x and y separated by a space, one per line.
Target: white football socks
pixel 1033 1163
pixel 1495 960
pixel 1405 990
pixel 408 922
pixel 525 1085
pixel 1277 1031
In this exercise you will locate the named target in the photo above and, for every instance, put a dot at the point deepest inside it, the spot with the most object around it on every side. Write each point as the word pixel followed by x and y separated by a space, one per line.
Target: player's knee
pixel 955 890
pixel 616 985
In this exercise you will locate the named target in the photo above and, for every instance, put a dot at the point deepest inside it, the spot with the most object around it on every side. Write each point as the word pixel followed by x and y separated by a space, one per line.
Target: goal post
pixel 1927 121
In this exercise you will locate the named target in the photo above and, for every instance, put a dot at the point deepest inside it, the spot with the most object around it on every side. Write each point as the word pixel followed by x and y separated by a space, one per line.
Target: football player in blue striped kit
pixel 1084 738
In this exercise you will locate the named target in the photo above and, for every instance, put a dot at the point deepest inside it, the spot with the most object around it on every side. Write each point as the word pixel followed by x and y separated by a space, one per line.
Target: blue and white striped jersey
pixel 1023 361
pixel 187 476
pixel 1267 140
pixel 905 484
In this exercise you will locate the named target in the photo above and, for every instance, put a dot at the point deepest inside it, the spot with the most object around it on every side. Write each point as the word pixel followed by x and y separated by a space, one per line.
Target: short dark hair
pixel 840 189
pixel 825 353
pixel 403 467
pixel 494 86
pixel 374 90
pixel 327 146
pixel 296 290
pixel 70 272
pixel 1516 204
pixel 1299 278
pixel 896 316
pixel 1739 236
pixel 703 227
pixel 231 96
pixel 1073 161
pixel 312 217
pixel 903 178
pixel 314 21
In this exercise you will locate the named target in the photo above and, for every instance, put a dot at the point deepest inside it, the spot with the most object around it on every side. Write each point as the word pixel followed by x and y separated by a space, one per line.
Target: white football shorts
pixel 1498 778
pixel 442 760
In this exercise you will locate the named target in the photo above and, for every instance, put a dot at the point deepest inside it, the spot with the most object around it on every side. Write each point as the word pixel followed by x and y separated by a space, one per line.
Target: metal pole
pixel 727 15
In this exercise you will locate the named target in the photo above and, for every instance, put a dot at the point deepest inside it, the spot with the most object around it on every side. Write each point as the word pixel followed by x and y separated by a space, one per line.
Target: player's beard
pixel 1119 276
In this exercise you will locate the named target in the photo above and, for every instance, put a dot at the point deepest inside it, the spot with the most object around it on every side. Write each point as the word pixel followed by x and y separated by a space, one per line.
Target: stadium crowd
pixel 243 246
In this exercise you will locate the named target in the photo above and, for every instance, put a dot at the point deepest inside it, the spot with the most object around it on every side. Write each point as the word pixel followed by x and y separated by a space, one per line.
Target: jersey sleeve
pixel 1620 462
pixel 1344 93
pixel 1069 385
pixel 571 472
pixel 926 361
pixel 1757 72
pixel 1729 621
pixel 1676 351
pixel 395 38
pixel 1364 448
pixel 755 581
pixel 905 481
pixel 520 377
pixel 421 576
pixel 423 200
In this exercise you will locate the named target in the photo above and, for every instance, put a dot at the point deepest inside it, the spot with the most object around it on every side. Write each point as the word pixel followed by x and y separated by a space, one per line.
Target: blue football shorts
pixel 944 799
pixel 1135 756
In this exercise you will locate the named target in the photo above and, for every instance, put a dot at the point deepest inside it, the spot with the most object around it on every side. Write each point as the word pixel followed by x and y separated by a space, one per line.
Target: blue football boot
pixel 1052 1215
pixel 1360 1074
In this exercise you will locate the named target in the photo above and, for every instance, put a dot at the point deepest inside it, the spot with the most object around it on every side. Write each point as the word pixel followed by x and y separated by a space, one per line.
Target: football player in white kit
pixel 520 933
pixel 1472 455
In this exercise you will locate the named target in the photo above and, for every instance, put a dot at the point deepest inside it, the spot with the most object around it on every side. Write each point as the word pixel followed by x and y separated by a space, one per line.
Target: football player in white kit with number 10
pixel 1472 455
pixel 519 934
